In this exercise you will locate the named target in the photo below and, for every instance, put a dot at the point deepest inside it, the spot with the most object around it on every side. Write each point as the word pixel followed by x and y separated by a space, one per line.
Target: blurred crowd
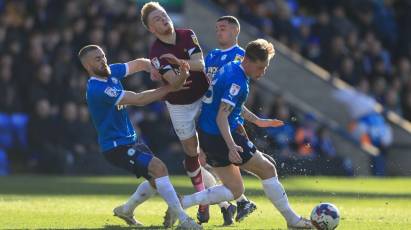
pixel 363 42
pixel 44 121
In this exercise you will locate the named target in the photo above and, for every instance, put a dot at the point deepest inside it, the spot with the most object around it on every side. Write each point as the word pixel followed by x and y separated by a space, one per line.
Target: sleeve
pixel 109 95
pixel 193 46
pixel 119 70
pixel 232 92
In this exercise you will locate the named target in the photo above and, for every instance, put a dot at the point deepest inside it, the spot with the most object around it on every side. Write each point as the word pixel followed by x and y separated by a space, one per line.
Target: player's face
pixel 226 33
pixel 257 69
pixel 160 23
pixel 97 63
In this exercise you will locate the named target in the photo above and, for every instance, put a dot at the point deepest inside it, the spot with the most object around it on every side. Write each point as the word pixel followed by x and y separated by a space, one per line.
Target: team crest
pixel 194 38
pixel 156 63
pixel 114 80
pixel 238 57
pixel 234 89
pixel 111 92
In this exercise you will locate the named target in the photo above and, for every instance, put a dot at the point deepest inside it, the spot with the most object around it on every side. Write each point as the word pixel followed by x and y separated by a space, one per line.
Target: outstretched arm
pixel 148 96
pixel 262 123
pixel 139 64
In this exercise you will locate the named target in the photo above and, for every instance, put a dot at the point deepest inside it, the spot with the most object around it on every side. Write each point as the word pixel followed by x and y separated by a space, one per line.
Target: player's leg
pixel 232 187
pixel 227 209
pixel 183 120
pixel 263 168
pixel 139 160
pixel 244 206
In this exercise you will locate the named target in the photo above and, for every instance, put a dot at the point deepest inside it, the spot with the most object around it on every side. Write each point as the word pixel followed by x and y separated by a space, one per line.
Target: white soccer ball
pixel 325 216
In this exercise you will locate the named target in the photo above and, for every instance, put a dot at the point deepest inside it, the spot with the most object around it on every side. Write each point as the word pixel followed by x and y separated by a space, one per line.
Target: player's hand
pixel 265 123
pixel 233 154
pixel 154 74
pixel 173 59
pixel 182 81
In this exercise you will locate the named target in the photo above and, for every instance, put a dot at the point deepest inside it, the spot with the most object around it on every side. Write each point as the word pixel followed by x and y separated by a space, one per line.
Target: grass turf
pixel 44 202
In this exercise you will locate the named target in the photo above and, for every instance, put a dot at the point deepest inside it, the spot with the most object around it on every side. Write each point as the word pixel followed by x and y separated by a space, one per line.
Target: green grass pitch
pixel 43 202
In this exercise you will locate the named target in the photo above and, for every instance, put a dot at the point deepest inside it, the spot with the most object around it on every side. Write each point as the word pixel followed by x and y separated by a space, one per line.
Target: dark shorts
pixel 216 149
pixel 133 158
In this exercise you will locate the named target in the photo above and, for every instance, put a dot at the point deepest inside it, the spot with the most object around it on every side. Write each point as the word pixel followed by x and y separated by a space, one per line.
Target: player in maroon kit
pixel 170 46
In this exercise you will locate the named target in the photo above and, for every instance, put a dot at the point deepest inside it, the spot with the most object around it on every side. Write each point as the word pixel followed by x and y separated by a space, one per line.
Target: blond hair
pixel 259 50
pixel 147 9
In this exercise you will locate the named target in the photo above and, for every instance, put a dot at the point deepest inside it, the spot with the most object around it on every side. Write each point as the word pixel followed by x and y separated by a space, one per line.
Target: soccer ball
pixel 325 216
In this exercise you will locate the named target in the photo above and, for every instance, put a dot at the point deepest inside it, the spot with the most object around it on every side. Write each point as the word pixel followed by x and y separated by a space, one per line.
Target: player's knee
pixel 157 168
pixel 237 189
pixel 267 170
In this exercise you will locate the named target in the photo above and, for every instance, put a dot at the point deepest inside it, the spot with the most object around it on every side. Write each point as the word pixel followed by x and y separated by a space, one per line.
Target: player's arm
pixel 263 123
pixel 139 64
pixel 196 61
pixel 222 122
pixel 148 96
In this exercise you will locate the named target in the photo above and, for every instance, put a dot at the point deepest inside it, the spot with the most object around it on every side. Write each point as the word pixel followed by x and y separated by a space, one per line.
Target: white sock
pixel 211 195
pixel 276 193
pixel 241 198
pixel 143 192
pixel 166 190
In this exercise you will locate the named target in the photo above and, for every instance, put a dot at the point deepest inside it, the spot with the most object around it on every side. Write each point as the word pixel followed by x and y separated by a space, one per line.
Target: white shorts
pixel 184 118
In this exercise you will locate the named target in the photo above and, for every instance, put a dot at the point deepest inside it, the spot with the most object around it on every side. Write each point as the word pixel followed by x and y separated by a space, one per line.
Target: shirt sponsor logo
pixel 111 92
pixel 234 89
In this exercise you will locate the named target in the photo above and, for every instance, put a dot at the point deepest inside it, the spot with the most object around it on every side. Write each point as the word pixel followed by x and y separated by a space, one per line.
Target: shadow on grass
pixel 34 185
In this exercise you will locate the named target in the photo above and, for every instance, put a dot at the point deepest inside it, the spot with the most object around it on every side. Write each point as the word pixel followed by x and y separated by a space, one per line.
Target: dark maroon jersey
pixel 186 45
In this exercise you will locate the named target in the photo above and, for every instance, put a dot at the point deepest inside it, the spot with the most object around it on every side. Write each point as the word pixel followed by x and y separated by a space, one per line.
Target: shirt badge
pixel 238 57
pixel 194 38
pixel 234 89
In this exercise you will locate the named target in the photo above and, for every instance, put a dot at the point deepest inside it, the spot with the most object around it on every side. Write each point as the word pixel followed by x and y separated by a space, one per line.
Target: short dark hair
pixel 230 19
pixel 147 9
pixel 259 50
pixel 83 51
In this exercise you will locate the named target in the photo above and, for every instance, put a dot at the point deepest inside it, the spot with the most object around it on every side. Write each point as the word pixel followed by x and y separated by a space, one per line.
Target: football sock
pixel 276 193
pixel 166 190
pixel 211 195
pixel 241 198
pixel 209 182
pixel 143 192
pixel 193 169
